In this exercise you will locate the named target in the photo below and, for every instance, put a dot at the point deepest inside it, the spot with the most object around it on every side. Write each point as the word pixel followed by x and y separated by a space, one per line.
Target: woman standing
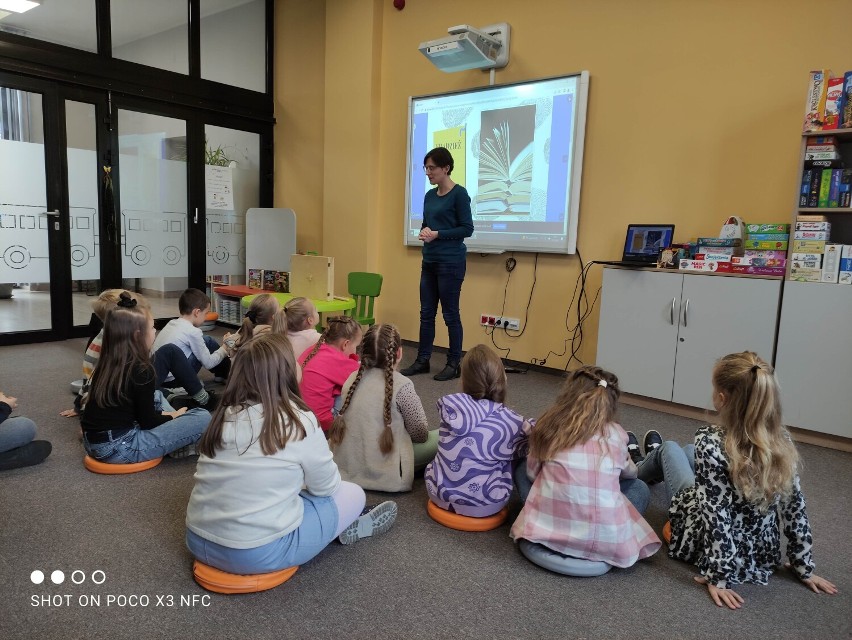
pixel 447 222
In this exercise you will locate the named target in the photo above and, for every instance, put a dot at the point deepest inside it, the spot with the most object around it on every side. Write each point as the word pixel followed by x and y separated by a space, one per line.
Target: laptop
pixel 643 243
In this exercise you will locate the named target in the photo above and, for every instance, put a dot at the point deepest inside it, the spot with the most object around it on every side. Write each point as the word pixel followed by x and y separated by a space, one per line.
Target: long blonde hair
pixel 261 311
pixel 762 459
pixel 584 407
pixel 294 316
pixel 263 372
pixel 378 350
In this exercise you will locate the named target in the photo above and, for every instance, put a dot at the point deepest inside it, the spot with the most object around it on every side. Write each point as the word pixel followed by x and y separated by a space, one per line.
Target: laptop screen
pixel 644 241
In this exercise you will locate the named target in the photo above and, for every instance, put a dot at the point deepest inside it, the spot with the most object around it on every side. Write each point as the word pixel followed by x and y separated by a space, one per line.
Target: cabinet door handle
pixel 196 216
pixel 671 315
pixel 685 312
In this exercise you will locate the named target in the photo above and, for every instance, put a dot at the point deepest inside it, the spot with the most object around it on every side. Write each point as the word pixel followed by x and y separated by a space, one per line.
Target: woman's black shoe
pixel 418 366
pixel 26 456
pixel 448 373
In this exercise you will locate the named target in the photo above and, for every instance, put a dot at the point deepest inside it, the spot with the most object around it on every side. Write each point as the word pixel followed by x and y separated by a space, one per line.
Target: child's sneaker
pixel 651 441
pixel 184 452
pixel 373 521
pixel 633 448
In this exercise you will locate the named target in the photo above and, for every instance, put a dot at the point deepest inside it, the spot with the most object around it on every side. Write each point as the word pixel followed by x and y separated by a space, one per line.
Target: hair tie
pixel 251 314
pixel 755 368
pixel 602 383
pixel 126 302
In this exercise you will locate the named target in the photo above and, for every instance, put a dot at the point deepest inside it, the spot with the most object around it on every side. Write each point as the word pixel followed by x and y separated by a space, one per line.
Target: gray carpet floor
pixel 420 580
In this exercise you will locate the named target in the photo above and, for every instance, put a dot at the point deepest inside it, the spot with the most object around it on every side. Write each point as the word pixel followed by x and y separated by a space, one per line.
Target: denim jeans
pixel 221 370
pixel 138 445
pixel 170 359
pixel 441 282
pixel 671 463
pixel 635 490
pixel 16 432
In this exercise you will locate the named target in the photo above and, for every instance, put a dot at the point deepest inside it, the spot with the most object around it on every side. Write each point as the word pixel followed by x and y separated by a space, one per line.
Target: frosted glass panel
pixel 238 155
pixel 67 22
pixel 233 42
pixel 153 197
pixel 153 33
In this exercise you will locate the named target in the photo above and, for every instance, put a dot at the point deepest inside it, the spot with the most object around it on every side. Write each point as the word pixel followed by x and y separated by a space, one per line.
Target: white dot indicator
pixel 57 577
pixel 37 577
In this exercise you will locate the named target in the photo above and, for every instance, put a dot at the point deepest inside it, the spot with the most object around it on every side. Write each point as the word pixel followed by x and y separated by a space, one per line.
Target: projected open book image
pixel 506 161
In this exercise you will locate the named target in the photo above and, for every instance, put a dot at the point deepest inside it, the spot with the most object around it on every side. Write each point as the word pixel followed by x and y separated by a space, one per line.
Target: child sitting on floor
pixel 380 418
pixel 326 367
pixel 126 419
pixel 297 320
pixel 267 493
pixel 578 461
pixel 17 446
pixel 478 440
pixel 257 321
pixel 200 350
pixel 731 492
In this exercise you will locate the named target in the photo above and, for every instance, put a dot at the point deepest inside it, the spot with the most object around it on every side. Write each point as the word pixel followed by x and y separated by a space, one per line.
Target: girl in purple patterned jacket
pixel 478 441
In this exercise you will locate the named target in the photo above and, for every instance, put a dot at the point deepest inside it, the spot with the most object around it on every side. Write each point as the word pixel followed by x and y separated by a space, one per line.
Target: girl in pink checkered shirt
pixel 580 471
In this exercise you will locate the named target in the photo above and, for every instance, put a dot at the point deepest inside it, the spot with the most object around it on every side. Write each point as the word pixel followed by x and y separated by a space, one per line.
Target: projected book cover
pixel 506 161
pixel 454 141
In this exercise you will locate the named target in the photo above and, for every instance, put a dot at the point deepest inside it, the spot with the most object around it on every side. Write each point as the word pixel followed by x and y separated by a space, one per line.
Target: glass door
pixel 152 208
pixel 26 220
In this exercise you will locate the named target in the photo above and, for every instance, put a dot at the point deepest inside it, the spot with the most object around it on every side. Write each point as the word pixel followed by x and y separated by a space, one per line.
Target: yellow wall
pixel 694 115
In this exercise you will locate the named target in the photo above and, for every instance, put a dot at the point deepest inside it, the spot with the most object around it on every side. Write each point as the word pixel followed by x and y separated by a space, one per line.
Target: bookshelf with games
pixel 814 338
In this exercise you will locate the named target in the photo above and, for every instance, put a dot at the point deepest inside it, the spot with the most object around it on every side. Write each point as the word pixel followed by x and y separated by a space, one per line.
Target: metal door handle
pixel 55 214
pixel 196 216
pixel 671 315
pixel 685 312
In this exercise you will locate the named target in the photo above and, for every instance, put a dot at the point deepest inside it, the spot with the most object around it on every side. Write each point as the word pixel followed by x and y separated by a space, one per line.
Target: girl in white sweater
pixel 248 513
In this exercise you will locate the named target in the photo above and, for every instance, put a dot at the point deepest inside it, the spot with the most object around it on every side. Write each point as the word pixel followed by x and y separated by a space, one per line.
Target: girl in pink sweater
pixel 327 366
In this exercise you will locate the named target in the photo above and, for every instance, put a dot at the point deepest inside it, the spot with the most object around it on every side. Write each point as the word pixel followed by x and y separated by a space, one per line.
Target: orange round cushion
pixel 211 316
pixel 110 468
pixel 465 523
pixel 667 532
pixel 220 581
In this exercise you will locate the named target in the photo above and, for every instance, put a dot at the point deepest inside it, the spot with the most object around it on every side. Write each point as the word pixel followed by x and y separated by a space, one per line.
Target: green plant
pixel 216 157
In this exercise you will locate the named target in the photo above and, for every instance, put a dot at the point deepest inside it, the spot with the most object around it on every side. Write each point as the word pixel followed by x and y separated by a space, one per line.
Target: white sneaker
pixel 372 522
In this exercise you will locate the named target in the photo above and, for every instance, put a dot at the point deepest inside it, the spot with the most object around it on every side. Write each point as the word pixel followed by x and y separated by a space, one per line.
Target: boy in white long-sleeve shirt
pixel 184 332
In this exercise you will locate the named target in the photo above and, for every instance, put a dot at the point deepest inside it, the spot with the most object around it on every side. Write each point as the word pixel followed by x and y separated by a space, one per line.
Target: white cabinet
pixel 661 332
pixel 814 363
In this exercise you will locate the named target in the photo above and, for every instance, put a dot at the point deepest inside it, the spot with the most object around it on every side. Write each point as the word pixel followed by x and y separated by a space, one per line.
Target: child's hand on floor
pixel 175 414
pixel 817 584
pixel 69 413
pixel 12 402
pixel 722 597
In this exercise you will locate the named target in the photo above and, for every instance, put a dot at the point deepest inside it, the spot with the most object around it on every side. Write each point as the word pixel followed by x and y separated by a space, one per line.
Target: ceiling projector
pixel 468 48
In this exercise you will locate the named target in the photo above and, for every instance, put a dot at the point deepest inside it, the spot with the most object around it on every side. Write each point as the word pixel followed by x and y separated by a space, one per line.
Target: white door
pixel 721 315
pixel 637 332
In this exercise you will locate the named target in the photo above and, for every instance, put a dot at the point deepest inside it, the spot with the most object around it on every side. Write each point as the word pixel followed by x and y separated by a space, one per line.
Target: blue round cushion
pixel 548 559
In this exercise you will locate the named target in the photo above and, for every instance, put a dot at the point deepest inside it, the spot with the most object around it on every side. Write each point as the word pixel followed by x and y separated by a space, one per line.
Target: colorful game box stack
pixel 713 254
pixel 815 258
pixel 765 250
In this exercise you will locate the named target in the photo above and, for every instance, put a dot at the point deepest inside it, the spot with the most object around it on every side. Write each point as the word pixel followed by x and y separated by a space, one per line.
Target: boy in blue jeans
pixel 185 333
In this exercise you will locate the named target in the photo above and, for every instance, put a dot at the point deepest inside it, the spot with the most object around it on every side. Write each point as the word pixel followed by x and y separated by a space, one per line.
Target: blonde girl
pixel 126 419
pixel 257 321
pixel 326 367
pixel 580 472
pixel 730 497
pixel 381 434
pixel 297 319
pixel 478 441
pixel 248 512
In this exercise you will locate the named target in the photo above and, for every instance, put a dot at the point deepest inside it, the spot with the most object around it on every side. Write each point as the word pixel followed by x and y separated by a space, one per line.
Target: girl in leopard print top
pixel 727 517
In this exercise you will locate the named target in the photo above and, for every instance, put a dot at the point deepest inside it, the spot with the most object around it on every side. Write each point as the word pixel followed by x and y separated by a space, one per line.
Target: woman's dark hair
pixel 441 157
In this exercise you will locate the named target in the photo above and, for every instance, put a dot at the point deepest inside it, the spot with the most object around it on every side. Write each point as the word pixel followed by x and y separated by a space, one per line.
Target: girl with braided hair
pixel 582 500
pixel 378 444
pixel 327 366
pixel 257 321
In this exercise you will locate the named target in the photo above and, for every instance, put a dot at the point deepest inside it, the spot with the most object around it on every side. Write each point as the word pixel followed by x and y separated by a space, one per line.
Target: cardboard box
pixel 806 257
pixel 704 265
pixel 282 282
pixel 767 228
pixel 844 276
pixel 811 235
pixel 312 276
pixel 753 270
pixel 808 246
pixel 767 237
pixel 815 103
pixel 758 262
pixel 780 245
pixel 831 262
pixel 812 226
pixel 712 255
pixel 805 275
pixel 807 264
pixel 255 278
pixel 811 217
pixel 764 253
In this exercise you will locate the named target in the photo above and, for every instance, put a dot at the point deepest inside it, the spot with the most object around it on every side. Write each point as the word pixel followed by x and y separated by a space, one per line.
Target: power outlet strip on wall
pixel 499 322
